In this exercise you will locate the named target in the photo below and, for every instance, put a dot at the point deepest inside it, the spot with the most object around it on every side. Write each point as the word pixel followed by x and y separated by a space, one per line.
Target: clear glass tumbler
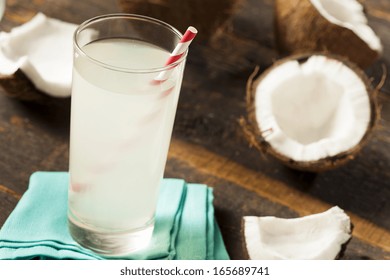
pixel 121 125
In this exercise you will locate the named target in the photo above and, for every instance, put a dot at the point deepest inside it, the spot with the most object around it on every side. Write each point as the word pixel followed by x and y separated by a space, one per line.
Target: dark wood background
pixel 208 145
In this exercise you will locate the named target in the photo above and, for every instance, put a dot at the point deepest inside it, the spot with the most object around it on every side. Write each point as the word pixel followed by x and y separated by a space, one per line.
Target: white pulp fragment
pixel 42 48
pixel 319 236
pixel 312 110
pixel 349 14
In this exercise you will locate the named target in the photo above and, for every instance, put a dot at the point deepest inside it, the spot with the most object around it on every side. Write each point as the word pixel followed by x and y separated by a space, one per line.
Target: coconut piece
pixel 339 27
pixel 313 114
pixel 42 49
pixel 314 237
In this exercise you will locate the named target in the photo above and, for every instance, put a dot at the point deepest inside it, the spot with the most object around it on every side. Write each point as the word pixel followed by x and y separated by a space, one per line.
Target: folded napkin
pixel 42 48
pixel 185 227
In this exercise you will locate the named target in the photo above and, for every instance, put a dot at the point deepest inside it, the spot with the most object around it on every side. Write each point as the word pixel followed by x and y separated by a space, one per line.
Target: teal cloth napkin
pixel 185 227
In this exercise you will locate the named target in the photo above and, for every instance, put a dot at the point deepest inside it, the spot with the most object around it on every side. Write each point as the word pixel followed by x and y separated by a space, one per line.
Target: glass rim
pixel 90 21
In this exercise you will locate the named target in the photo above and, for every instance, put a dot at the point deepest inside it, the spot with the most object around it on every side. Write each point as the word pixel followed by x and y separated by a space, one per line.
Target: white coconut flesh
pixel 319 236
pixel 349 14
pixel 312 110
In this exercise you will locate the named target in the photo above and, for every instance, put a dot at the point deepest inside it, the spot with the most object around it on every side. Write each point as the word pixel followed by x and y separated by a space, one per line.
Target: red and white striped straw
pixel 177 53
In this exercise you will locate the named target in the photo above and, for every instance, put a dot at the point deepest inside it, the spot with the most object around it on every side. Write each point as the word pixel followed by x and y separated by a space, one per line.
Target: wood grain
pixel 271 189
pixel 10 192
pixel 208 145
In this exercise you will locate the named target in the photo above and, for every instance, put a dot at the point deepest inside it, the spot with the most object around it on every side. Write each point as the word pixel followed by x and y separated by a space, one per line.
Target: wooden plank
pixel 208 144
pixel 378 8
pixel 232 202
pixel 10 192
pixel 7 204
pixel 34 136
pixel 274 190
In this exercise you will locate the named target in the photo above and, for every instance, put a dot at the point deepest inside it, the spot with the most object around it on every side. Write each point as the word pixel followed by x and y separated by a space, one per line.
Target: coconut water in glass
pixel 121 125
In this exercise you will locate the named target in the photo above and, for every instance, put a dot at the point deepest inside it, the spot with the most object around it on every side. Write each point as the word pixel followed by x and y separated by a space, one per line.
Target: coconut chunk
pixel 313 110
pixel 333 26
pixel 42 49
pixel 319 236
pixel 349 14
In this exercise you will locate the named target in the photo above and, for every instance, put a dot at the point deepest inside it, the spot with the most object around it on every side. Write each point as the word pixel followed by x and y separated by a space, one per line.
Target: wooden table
pixel 208 145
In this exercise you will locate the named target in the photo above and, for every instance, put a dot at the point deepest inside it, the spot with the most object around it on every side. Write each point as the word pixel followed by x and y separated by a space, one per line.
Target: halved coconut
pixel 319 236
pixel 339 27
pixel 313 113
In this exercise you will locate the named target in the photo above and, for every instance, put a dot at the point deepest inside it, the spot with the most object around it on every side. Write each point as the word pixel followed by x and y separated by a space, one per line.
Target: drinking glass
pixel 121 125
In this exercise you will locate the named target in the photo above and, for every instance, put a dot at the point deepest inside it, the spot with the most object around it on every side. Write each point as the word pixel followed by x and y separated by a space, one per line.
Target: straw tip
pixel 192 29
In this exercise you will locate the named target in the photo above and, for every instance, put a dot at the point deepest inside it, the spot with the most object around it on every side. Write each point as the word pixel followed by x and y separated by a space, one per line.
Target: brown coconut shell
pixel 300 28
pixel 254 133
pixel 243 240
pixel 205 15
pixel 18 86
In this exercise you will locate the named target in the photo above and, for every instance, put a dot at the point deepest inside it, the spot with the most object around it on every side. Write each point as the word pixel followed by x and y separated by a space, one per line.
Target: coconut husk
pixel 344 246
pixel 299 28
pixel 19 87
pixel 256 136
pixel 243 240
pixel 205 15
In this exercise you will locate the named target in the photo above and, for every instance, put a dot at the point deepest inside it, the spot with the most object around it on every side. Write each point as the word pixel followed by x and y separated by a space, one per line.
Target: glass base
pixel 115 244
